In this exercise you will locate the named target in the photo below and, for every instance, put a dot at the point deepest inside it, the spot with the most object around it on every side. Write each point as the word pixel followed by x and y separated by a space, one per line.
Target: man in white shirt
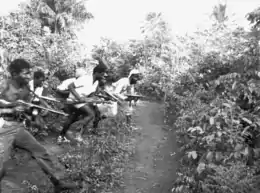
pixel 80 90
pixel 62 90
pixel 65 84
pixel 82 87
pixel 36 86
pixel 110 109
pixel 126 85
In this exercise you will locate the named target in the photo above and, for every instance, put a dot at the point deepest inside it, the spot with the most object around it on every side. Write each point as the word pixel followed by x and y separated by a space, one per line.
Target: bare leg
pixel 73 116
pixel 98 117
pixel 71 119
pixel 90 115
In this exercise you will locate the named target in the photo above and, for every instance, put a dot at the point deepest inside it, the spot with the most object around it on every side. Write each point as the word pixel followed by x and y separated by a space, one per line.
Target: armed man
pixel 13 133
pixel 125 87
pixel 80 91
pixel 38 90
pixel 124 90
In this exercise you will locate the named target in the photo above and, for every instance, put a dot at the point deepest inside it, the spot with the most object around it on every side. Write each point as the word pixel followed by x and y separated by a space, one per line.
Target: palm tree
pixel 60 15
pixel 254 18
pixel 219 12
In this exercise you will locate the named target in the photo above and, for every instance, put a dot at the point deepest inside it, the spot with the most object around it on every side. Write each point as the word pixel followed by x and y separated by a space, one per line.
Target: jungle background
pixel 208 83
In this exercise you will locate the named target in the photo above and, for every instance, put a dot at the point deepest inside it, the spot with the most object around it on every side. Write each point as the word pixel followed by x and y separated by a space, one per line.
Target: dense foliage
pixel 59 16
pixel 209 82
pixel 99 163
pixel 218 125
pixel 21 36
pixel 217 95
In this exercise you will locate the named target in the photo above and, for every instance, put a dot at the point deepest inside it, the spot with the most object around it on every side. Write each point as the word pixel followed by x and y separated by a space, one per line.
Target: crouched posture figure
pixel 110 109
pixel 13 133
pixel 126 86
pixel 80 90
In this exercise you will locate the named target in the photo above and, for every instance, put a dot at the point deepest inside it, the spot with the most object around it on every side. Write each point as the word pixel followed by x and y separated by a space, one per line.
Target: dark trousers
pixel 75 114
pixel 15 136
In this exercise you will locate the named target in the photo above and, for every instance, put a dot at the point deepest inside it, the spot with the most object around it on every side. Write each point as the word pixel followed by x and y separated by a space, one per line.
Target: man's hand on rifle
pixel 20 108
pixel 83 100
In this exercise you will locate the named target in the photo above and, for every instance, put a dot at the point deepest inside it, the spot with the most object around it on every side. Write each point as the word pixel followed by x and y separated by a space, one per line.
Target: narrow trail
pixel 153 167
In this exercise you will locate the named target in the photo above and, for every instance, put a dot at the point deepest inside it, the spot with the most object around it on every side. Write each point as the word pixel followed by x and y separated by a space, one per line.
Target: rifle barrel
pixel 44 108
pixel 135 96
pixel 50 99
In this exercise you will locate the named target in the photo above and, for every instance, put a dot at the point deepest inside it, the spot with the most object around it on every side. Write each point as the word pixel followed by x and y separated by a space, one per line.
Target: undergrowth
pixel 98 163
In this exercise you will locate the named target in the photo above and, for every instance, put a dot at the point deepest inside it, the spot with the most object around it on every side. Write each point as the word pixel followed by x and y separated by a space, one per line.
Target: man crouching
pixel 13 133
pixel 79 97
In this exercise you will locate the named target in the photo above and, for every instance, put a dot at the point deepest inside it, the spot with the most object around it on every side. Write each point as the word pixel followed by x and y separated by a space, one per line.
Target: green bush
pixel 100 162
pixel 59 53
pixel 218 123
pixel 209 83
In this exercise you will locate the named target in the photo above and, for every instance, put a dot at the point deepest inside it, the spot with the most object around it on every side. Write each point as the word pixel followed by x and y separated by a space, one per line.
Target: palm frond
pixel 254 17
pixel 66 13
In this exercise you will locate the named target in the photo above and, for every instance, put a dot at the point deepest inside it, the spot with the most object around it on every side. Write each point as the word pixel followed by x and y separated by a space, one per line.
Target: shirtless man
pixel 13 133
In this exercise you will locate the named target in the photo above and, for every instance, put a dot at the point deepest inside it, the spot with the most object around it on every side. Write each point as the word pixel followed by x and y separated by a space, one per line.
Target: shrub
pixel 218 123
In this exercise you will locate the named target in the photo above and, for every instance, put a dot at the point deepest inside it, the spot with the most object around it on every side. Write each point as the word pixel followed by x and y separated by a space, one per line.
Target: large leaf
pixel 192 154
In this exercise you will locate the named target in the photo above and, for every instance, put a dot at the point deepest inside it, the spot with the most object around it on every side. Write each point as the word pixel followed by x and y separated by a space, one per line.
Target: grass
pixel 98 163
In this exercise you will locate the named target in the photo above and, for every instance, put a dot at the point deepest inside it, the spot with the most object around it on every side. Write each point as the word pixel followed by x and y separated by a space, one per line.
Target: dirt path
pixel 153 167
pixel 151 170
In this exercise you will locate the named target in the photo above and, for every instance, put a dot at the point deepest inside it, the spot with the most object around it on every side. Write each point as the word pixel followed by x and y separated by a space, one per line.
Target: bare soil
pixel 152 168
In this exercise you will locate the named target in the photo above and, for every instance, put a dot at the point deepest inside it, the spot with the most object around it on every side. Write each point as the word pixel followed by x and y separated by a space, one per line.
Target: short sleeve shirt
pixel 84 86
pixel 121 86
pixel 65 84
pixel 38 90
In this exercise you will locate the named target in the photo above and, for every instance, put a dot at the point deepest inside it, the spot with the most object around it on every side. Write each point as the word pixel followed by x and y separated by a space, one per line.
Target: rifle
pixel 73 102
pixel 133 97
pixel 111 95
pixel 44 108
pixel 59 100
pixel 50 99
